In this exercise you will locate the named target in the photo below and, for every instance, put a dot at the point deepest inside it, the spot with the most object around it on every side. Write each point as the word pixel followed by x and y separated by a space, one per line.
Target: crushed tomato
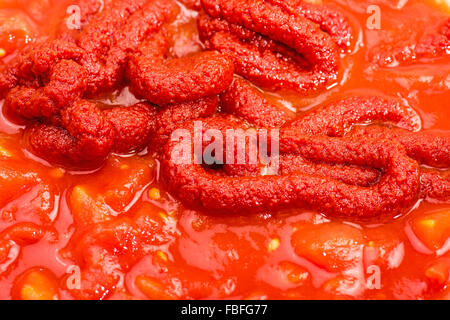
pixel 116 233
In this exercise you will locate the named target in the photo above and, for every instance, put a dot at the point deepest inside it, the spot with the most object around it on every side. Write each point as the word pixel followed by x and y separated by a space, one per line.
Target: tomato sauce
pixel 117 232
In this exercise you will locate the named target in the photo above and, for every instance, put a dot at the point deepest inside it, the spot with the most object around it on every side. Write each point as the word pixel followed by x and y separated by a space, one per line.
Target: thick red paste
pixel 92 205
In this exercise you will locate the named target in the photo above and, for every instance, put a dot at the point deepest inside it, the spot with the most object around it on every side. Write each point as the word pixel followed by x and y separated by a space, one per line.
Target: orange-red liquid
pixel 276 255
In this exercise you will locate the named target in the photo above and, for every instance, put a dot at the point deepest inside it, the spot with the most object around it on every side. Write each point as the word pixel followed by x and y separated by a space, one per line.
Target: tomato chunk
pixel 433 229
pixel 35 284
pixel 333 246
pixel 153 289
pixel 85 209
pixel 15 32
pixel 14 183
pixel 438 272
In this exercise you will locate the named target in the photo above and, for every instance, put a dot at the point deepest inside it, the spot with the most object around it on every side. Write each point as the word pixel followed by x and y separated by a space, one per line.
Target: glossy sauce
pixel 274 255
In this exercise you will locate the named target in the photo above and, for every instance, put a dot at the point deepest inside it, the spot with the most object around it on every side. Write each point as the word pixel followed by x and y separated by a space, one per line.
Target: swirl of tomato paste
pixel 339 119
pixel 429 148
pixel 426 147
pixel 43 62
pixel 106 41
pixel 48 82
pixel 47 102
pixel 87 134
pixel 168 118
pixel 116 32
pixel 246 102
pixel 435 185
pixel 330 20
pixel 167 81
pixel 433 44
pixel 101 48
pixel 255 33
pixel 149 125
pixel 396 191
pixel 87 10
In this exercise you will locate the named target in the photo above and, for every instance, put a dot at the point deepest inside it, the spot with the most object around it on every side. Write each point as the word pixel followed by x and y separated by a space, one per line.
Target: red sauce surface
pixel 145 244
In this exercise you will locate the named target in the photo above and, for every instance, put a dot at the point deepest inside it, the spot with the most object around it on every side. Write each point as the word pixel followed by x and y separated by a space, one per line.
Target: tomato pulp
pixel 116 232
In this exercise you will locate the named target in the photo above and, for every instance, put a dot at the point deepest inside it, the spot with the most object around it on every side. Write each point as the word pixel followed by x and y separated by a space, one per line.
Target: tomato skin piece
pixel 23 233
pixel 13 239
